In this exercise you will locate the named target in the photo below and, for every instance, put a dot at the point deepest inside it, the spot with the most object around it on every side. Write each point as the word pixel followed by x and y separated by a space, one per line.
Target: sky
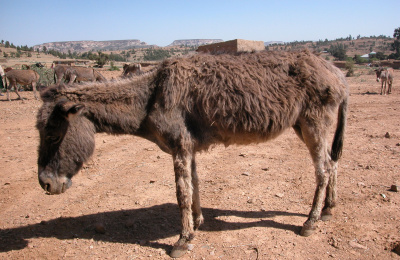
pixel 24 22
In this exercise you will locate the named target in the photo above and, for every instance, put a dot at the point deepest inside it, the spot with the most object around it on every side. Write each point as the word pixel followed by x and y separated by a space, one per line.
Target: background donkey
pixel 191 103
pixel 386 77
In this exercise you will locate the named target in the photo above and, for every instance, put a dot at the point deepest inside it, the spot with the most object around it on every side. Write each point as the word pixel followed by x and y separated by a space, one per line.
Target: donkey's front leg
pixel 184 193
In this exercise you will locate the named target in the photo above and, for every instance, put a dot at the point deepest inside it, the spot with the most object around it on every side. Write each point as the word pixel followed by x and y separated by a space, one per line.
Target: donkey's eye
pixel 53 139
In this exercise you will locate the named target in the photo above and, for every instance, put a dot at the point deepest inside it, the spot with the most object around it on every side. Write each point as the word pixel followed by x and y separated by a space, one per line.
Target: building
pixel 233 46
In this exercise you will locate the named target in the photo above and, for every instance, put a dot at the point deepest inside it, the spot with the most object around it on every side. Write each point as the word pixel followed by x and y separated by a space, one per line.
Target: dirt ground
pixel 255 198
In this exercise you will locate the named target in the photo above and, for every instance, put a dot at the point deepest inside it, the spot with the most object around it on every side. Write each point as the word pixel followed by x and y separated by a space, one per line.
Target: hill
pixel 84 46
pixel 194 42
pixel 360 46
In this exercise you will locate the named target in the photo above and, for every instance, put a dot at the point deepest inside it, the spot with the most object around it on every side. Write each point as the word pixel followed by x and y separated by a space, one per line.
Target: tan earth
pixel 255 198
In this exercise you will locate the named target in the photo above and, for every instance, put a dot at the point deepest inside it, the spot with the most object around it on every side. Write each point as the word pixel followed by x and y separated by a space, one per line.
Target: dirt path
pixel 255 198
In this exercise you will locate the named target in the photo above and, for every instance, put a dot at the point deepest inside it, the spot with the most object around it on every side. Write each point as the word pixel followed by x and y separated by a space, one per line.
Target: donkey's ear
pixel 72 110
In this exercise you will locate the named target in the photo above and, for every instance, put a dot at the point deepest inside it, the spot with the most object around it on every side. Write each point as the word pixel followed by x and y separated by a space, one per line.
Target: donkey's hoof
pixel 326 215
pixel 179 250
pixel 198 221
pixel 307 230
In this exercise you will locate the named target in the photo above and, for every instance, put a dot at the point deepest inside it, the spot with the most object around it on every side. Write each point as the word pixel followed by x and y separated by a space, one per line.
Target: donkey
pixel 131 70
pixel 190 103
pixel 23 77
pixel 82 74
pixel 70 73
pixel 386 77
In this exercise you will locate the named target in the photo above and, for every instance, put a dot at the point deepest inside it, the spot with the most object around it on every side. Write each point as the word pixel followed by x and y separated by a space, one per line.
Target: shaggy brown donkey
pixel 190 103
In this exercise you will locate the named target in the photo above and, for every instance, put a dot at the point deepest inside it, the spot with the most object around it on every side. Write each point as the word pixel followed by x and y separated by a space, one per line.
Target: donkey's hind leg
pixel 314 135
pixel 331 193
pixel 196 208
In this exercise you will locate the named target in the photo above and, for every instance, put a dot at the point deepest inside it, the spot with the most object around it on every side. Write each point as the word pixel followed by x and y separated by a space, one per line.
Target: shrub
pixel 113 67
pixel 350 68
pixel 46 75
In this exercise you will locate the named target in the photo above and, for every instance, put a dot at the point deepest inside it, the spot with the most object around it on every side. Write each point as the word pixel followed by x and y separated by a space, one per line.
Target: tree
pixel 44 49
pixel 338 51
pixel 101 59
pixel 396 43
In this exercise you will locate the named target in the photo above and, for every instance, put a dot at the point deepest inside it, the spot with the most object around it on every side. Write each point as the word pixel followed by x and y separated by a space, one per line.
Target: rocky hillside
pixel 194 42
pixel 83 46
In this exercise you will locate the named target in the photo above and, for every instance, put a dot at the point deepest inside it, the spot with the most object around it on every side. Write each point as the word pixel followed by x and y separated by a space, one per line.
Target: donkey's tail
pixel 338 139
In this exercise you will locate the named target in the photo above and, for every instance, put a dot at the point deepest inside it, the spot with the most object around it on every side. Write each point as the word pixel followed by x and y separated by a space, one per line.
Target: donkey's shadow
pixel 136 226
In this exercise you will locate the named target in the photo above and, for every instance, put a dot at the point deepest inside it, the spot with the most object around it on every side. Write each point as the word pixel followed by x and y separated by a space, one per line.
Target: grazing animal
pixel 188 104
pixel 59 71
pixel 131 70
pixel 386 77
pixel 72 73
pixel 23 77
pixel 82 74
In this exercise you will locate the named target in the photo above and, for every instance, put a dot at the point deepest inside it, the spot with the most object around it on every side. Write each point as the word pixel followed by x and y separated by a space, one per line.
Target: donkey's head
pixel 378 73
pixel 66 142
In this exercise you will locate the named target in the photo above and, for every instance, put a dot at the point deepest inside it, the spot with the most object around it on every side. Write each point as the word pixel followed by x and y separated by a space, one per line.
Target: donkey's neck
pixel 115 107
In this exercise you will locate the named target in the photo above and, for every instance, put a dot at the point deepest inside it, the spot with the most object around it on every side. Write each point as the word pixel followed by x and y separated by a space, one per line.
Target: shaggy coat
pixel 22 77
pixel 190 103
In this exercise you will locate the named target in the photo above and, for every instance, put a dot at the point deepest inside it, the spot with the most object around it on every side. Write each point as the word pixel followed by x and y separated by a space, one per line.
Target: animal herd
pixel 62 73
pixel 190 103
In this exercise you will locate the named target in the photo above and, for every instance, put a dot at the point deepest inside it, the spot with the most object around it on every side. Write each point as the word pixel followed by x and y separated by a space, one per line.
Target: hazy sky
pixel 162 22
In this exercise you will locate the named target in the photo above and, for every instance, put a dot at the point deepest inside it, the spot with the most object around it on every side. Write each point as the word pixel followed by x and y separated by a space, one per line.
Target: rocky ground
pixel 255 198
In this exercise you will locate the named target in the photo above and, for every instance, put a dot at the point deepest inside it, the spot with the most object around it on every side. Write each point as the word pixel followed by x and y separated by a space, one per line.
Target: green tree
pixel 396 43
pixel 101 59
pixel 338 51
pixel 358 59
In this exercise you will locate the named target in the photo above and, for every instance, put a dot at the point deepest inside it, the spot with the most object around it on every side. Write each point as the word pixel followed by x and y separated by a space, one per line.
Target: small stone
pixel 396 249
pixel 99 228
pixel 383 195
pixel 357 245
pixel 246 174
pixel 394 188
pixel 129 223
pixel 265 169
pixel 279 195
pixel 387 135
pixel 190 247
